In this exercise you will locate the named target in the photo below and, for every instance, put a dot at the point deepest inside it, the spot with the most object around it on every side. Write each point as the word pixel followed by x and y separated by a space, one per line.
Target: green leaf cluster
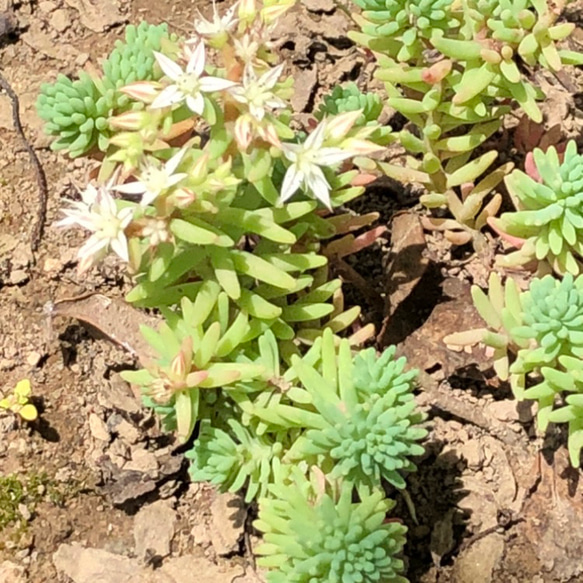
pixel 313 536
pixel 350 415
pixel 77 112
pixel 542 328
pixel 349 97
pixel 247 360
pixel 451 68
pixel 549 215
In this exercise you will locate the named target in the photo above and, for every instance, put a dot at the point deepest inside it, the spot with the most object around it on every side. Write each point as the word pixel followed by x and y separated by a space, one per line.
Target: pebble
pixel 60 20
pixel 24 512
pixel 47 6
pixel 33 358
pixel 98 428
pixel 142 461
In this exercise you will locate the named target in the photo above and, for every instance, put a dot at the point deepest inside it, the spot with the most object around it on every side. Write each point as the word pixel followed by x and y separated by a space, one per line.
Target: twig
pixel 41 179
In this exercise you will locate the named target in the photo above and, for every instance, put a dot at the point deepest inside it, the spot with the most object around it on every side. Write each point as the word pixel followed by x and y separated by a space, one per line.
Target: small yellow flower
pixel 18 403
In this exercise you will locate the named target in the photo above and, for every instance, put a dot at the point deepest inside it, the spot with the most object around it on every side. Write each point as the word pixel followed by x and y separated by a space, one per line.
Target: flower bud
pixel 145 91
pixel 247 10
pixel 243 132
pixel 130 120
pixel 338 126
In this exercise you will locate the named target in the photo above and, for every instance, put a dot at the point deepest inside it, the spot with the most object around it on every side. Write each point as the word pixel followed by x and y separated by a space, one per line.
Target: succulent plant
pixel 367 435
pixel 237 460
pixel 548 222
pixel 350 98
pixel 570 380
pixel 318 537
pixel 78 112
pixel 193 346
pixel 451 68
pixel 133 60
pixel 542 327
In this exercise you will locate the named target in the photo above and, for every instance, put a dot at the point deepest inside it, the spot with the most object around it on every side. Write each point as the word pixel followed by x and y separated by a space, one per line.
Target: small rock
pixel 81 59
pixel 142 461
pixel 200 534
pixel 319 5
pixel 24 512
pixel 60 20
pixel 126 431
pixel 33 358
pixel 52 265
pixel 98 428
pixel 93 565
pixel 191 569
pixel 305 84
pixel 18 276
pixel 154 529
pixel 479 561
pixel 47 6
pixel 12 573
pixel 64 474
pixel 97 16
pixel 118 395
pixel 228 515
pixel 503 410
pixel 473 453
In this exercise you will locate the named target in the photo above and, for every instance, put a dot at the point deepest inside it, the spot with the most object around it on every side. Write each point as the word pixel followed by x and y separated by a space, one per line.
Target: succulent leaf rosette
pixel 321 537
pixel 548 221
pixel 77 112
pixel 542 329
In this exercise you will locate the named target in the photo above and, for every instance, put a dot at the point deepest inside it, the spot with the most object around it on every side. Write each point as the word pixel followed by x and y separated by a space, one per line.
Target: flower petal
pixel 168 66
pixel 148 198
pixel 208 84
pixel 119 246
pixel 291 182
pixel 173 163
pixel 196 62
pixel 331 156
pixel 136 187
pixel 169 96
pixel 268 80
pixel 195 103
pixel 319 186
pixel 315 140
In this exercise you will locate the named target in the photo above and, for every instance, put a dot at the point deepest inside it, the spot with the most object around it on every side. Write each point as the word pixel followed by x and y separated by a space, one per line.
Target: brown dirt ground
pixel 491 501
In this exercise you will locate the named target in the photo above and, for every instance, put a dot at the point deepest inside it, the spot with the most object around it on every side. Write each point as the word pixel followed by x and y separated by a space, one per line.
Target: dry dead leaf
pixel 409 263
pixel 113 317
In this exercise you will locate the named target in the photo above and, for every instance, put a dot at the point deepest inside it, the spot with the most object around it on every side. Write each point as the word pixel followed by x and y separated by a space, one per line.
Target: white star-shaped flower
pixel 219 24
pixel 155 179
pixel 97 212
pixel 307 160
pixel 256 92
pixel 188 85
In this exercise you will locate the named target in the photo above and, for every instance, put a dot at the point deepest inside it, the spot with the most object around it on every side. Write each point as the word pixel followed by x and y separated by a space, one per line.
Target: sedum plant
pixel 222 213
pixel 314 534
pixel 547 225
pixel 77 112
pixel 542 329
pixel 451 68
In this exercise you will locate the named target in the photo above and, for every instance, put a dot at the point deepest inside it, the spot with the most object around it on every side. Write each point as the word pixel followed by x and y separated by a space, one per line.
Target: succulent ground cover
pixel 242 234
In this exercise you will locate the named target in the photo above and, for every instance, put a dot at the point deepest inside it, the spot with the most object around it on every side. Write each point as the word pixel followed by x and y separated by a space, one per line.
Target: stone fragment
pixel 98 428
pixel 479 561
pixel 154 529
pixel 227 521
pixel 60 20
